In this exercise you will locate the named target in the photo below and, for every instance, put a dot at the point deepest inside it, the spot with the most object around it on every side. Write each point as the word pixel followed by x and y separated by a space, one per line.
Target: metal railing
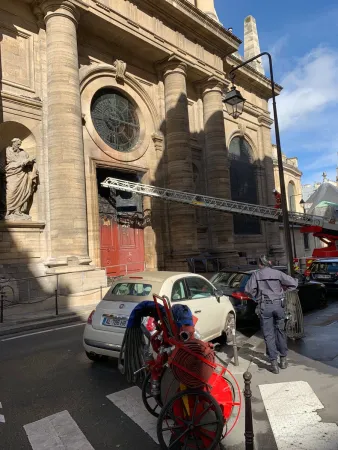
pixel 37 290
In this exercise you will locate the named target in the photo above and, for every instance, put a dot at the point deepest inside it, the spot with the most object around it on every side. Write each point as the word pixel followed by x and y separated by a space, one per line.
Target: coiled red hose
pixel 185 360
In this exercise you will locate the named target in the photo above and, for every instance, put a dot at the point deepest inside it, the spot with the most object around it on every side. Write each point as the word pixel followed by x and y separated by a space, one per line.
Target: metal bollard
pixel 56 303
pixel 249 434
pixel 2 298
pixel 234 344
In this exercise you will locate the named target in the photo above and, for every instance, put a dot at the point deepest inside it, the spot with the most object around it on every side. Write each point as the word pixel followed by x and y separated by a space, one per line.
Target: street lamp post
pixel 234 103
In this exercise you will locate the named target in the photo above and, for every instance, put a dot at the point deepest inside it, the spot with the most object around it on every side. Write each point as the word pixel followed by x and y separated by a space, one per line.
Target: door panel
pixel 205 306
pixel 109 244
pixel 122 248
pixel 131 248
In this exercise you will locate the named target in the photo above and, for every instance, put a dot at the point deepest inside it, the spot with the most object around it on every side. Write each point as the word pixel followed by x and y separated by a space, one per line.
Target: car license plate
pixel 323 277
pixel 115 321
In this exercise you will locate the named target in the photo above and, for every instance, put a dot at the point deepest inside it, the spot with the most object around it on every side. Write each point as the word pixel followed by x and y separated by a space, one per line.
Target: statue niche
pixel 21 181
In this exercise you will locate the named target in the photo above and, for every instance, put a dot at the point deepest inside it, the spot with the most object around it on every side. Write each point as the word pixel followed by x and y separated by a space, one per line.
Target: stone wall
pixel 175 74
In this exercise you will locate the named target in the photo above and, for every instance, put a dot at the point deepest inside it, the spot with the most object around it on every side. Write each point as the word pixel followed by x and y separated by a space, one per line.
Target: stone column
pixel 217 164
pixel 179 160
pixel 67 196
pixel 273 235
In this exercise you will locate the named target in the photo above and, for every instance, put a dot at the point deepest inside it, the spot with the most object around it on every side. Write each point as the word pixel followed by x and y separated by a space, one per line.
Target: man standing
pixel 268 287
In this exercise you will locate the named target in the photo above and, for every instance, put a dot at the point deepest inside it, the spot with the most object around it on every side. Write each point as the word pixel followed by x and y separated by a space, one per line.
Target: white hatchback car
pixel 106 325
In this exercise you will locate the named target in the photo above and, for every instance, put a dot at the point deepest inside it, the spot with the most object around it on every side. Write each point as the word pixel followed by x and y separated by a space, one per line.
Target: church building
pixel 130 89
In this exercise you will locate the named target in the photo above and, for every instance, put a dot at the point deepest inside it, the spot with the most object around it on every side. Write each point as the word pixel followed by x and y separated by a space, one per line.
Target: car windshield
pixel 324 267
pixel 332 267
pixel 133 289
pixel 222 278
pixel 232 280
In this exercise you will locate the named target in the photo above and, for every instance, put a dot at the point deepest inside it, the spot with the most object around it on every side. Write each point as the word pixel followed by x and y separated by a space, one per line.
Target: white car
pixel 106 325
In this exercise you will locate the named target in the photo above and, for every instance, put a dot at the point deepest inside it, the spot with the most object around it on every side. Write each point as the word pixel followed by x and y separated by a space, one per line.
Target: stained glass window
pixel 115 119
pixel 243 184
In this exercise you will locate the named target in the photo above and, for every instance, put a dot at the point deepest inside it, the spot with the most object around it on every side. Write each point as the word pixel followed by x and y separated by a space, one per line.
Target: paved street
pixel 51 393
pixel 48 373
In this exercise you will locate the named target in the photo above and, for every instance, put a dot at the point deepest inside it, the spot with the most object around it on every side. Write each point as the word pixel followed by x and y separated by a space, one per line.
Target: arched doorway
pixel 243 184
pixel 121 226
pixel 116 121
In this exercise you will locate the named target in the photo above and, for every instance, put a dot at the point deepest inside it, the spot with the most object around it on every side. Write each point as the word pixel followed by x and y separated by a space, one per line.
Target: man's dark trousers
pixel 272 316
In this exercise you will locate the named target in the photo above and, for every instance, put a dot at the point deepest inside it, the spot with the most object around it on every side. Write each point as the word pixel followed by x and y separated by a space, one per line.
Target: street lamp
pixel 234 103
pixel 292 225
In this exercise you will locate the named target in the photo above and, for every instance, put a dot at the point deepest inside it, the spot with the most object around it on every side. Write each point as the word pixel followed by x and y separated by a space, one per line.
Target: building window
pixel 243 184
pixel 306 241
pixel 115 119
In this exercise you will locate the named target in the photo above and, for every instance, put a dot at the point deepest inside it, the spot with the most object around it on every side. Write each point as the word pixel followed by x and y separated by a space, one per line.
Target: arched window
pixel 115 119
pixel 243 184
pixel 291 196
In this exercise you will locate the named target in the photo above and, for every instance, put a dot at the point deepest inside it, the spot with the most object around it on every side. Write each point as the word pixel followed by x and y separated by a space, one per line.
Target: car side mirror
pixel 218 294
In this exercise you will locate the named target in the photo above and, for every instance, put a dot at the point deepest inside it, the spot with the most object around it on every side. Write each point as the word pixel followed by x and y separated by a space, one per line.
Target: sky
pixel 302 36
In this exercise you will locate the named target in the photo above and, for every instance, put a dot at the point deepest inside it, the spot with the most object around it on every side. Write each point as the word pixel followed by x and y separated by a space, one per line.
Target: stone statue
pixel 22 179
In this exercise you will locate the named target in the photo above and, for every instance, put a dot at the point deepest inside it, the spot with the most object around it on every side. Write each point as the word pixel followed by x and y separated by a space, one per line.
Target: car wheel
pixel 322 299
pixel 95 357
pixel 230 324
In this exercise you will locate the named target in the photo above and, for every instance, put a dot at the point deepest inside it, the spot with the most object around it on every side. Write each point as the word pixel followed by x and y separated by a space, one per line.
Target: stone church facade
pixel 130 89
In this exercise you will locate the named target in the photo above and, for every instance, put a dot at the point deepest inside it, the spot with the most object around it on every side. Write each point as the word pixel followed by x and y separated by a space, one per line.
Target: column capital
pixel 212 84
pixel 66 8
pixel 172 64
pixel 265 120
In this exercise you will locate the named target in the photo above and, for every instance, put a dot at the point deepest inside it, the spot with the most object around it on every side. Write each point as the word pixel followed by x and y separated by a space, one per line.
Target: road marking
pixel 41 332
pixel 291 408
pixel 130 402
pixel 2 417
pixel 56 432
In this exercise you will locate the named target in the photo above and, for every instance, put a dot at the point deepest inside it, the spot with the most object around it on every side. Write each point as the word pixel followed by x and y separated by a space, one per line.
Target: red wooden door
pixel 131 248
pixel 122 248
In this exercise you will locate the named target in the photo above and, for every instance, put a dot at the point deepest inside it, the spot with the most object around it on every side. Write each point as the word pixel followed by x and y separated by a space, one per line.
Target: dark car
pixel 312 294
pixel 324 271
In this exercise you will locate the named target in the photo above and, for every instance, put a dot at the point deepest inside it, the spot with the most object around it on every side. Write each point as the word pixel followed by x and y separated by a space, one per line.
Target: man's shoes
pixel 274 367
pixel 283 362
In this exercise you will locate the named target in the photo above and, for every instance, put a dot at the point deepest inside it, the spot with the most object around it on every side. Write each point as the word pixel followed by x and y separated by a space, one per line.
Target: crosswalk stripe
pixel 291 408
pixel 2 417
pixel 56 432
pixel 130 402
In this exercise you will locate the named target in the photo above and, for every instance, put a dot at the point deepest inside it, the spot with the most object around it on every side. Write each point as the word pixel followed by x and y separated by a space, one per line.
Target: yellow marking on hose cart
pixel 185 399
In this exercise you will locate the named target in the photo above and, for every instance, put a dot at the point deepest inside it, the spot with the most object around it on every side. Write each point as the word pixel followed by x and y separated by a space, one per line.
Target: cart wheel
pixel 190 420
pixel 152 404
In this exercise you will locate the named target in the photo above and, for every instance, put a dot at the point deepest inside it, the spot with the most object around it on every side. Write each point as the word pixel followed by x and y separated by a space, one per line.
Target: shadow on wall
pixel 187 171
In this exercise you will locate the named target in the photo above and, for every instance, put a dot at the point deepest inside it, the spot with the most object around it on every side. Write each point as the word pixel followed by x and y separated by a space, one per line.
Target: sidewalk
pixel 296 409
pixel 41 319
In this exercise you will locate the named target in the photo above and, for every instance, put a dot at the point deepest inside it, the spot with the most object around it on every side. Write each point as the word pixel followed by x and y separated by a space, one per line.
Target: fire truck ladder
pixel 219 204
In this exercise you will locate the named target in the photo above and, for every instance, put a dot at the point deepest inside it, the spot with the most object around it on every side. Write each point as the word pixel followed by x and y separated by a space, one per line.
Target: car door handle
pixel 197 312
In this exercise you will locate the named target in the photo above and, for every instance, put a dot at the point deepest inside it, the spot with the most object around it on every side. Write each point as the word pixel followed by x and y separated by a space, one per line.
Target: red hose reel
pixel 203 401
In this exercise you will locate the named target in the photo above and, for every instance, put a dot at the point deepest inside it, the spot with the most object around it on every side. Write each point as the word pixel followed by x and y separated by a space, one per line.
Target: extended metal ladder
pixel 219 204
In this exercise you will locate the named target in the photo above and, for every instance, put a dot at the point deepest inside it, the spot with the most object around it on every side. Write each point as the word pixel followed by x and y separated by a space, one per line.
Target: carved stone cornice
pixel 34 103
